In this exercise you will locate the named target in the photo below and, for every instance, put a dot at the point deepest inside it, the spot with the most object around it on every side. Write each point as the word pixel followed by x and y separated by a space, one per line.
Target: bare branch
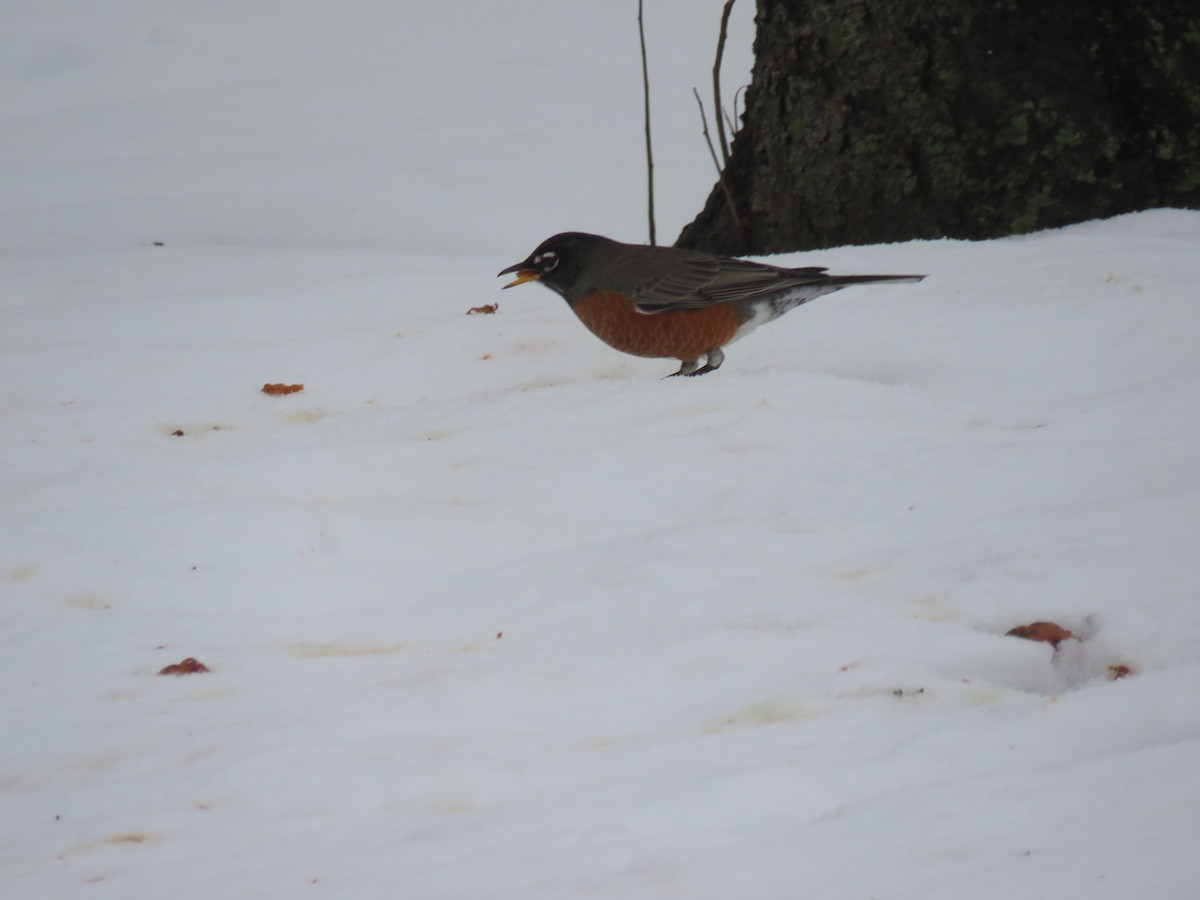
pixel 736 96
pixel 716 162
pixel 729 122
pixel 646 113
pixel 717 82
pixel 704 124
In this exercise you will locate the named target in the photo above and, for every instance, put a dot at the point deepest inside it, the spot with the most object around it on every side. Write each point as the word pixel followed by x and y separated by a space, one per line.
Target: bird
pixel 673 303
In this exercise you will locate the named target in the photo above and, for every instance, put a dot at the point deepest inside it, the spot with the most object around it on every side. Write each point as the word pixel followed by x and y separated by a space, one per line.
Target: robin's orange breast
pixel 684 334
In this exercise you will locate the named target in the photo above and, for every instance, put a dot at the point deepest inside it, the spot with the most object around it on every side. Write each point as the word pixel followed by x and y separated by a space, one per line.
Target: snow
pixel 493 611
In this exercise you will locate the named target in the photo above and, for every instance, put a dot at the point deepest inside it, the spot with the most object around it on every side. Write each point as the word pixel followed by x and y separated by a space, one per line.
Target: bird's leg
pixel 692 366
pixel 687 367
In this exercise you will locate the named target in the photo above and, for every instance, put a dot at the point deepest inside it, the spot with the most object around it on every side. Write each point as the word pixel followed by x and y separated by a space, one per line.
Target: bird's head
pixel 557 261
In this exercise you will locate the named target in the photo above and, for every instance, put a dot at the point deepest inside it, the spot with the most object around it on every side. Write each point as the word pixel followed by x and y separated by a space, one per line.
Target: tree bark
pixel 872 121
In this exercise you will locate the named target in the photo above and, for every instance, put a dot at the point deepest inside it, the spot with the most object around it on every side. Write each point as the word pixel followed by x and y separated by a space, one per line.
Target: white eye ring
pixel 547 261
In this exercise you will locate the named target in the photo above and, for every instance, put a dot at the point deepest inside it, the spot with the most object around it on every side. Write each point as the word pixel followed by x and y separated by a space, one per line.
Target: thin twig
pixel 736 96
pixel 729 122
pixel 716 162
pixel 646 113
pixel 704 124
pixel 717 82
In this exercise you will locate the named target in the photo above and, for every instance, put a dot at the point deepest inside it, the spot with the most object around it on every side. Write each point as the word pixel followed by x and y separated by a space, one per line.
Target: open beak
pixel 523 274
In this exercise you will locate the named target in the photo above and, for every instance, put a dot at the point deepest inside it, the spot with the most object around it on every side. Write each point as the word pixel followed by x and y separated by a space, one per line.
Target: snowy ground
pixel 491 610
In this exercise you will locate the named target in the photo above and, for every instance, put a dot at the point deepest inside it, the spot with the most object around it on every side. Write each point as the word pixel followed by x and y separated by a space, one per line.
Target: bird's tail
pixel 846 280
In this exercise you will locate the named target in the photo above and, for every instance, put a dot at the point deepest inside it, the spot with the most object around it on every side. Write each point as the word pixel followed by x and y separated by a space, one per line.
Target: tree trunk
pixel 876 121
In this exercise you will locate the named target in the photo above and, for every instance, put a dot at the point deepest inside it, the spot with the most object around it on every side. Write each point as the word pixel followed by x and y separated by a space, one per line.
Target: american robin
pixel 672 303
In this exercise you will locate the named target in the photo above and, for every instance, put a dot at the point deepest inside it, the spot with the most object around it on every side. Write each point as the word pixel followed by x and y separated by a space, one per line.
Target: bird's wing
pixel 700 281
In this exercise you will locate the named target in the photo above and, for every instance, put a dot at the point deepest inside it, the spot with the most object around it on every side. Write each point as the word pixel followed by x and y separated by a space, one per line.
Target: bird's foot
pixel 691 367
pixel 699 370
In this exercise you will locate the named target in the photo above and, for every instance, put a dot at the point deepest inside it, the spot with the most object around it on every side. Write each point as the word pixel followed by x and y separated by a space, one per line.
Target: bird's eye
pixel 547 261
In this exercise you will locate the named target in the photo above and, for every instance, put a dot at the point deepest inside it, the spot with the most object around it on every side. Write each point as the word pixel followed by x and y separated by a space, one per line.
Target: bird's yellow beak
pixel 523 275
